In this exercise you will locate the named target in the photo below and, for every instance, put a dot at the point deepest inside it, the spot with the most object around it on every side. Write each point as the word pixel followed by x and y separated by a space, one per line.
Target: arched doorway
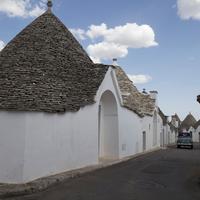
pixel 155 129
pixel 108 127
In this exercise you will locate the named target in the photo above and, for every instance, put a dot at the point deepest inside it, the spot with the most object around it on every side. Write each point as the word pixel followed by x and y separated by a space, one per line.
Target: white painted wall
pixel 155 128
pixel 129 133
pixel 12 145
pixel 57 143
pixel 172 137
pixel 197 134
pixel 131 128
pixel 167 135
pixel 159 130
pixel 147 126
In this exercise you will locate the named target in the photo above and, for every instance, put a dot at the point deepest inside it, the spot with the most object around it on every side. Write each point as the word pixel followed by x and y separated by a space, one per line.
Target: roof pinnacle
pixel 49 4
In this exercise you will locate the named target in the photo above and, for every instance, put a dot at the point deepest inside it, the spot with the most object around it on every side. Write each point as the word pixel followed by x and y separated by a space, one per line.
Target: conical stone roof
pixel 163 116
pixel 188 122
pixel 44 68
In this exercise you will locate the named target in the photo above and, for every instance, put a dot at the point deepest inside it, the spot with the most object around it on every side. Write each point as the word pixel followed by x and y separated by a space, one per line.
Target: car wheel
pixel 192 147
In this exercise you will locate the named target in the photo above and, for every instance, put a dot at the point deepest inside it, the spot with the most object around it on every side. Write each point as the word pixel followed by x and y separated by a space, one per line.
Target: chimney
pixel 154 95
pixel 144 91
pixel 174 121
pixel 49 5
pixel 167 119
pixel 115 62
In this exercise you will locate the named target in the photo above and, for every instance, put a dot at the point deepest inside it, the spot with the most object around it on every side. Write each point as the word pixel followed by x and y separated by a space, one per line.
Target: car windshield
pixel 185 135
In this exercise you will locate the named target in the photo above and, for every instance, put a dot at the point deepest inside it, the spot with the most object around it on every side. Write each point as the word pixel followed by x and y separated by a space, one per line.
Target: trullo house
pixel 59 111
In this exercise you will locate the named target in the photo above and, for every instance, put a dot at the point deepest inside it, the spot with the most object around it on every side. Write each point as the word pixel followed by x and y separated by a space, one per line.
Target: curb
pixel 15 190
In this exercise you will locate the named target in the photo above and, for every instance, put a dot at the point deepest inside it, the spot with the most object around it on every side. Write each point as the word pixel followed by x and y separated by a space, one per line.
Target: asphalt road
pixel 172 174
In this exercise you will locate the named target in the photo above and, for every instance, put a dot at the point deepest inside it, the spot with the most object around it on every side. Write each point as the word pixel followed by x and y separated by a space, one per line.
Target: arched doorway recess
pixel 108 127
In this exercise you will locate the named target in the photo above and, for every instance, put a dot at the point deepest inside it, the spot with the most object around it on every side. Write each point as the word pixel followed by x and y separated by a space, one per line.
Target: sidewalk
pixel 10 190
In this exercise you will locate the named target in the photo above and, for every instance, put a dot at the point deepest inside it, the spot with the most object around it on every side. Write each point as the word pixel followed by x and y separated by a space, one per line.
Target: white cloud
pixel 96 31
pixel 189 9
pixel 140 79
pixel 109 43
pixel 106 51
pixel 2 45
pixel 22 8
pixel 130 35
pixel 36 11
pixel 78 33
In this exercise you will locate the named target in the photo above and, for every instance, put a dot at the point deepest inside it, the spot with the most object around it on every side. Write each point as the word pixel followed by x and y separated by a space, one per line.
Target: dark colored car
pixel 184 140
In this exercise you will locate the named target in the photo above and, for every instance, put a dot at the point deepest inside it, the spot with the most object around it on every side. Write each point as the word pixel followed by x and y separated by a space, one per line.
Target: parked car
pixel 184 140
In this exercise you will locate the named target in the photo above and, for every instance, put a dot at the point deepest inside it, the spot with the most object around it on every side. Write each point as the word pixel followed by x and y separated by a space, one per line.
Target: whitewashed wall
pixel 172 137
pixel 57 143
pixel 147 126
pixel 159 131
pixel 38 144
pixel 129 133
pixel 131 128
pixel 12 144
pixel 167 133
pixel 197 134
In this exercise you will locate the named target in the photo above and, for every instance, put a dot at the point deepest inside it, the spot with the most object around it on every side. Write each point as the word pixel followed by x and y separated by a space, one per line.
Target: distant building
pixel 190 124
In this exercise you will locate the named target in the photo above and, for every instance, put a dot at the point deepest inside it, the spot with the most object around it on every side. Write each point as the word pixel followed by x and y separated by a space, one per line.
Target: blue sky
pixel 173 64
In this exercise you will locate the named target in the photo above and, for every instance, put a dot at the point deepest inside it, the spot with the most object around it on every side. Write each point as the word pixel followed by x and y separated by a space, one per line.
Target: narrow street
pixel 172 174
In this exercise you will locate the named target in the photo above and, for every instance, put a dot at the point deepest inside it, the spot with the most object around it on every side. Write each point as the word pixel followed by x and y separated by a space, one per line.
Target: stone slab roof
pixel 44 68
pixel 163 116
pixel 188 122
pixel 141 104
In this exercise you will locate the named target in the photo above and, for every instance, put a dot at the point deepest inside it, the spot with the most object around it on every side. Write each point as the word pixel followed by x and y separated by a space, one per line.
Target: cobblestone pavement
pixel 172 174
